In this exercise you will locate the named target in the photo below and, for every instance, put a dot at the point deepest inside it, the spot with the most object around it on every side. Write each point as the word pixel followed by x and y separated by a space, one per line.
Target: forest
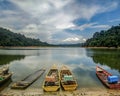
pixel 105 38
pixel 8 38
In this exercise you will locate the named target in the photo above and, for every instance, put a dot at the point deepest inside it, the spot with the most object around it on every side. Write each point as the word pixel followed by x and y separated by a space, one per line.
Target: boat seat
pixel 56 83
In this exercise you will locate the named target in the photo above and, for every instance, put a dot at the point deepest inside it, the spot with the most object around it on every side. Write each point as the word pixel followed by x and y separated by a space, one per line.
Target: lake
pixel 81 61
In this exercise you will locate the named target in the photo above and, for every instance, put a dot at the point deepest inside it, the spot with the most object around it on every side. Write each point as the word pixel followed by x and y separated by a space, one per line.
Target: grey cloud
pixel 45 19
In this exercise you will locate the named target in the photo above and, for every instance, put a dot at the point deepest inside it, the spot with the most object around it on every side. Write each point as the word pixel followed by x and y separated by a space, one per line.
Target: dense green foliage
pixel 69 45
pixel 108 38
pixel 8 38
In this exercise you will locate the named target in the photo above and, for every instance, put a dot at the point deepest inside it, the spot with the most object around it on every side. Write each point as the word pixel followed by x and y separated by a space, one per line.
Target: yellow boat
pixel 68 82
pixel 52 80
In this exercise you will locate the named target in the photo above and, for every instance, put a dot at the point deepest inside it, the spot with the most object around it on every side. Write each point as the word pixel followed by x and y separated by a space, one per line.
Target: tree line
pixel 8 38
pixel 105 38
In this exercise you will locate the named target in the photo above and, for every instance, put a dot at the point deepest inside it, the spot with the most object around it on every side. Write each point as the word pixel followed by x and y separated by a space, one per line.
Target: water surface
pixel 81 61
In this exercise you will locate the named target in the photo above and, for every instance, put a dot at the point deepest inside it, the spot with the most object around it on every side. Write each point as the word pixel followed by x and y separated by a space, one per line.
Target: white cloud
pixel 74 40
pixel 65 26
pixel 84 26
pixel 63 37
pixel 71 39
pixel 115 20
pixel 90 25
pixel 101 26
pixel 45 19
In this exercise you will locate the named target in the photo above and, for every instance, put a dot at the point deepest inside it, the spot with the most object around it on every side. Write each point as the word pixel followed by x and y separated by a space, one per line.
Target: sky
pixel 59 21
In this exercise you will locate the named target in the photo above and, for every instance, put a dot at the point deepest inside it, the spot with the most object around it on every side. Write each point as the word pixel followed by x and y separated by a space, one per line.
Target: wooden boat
pixel 52 80
pixel 4 74
pixel 107 79
pixel 28 80
pixel 68 82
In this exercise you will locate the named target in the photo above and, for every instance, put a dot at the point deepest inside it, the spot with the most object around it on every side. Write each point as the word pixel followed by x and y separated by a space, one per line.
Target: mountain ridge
pixel 9 38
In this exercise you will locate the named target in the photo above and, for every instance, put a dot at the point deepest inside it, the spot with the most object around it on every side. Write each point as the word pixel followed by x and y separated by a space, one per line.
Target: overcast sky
pixel 59 21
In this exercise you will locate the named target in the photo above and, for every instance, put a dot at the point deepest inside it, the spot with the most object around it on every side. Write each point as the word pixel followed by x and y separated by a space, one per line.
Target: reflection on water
pixel 6 59
pixel 81 61
pixel 109 57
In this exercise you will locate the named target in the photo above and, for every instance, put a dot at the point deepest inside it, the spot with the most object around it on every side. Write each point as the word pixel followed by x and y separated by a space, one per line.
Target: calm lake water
pixel 81 61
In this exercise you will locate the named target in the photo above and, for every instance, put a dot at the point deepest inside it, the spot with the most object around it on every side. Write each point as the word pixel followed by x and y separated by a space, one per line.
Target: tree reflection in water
pixel 6 59
pixel 109 57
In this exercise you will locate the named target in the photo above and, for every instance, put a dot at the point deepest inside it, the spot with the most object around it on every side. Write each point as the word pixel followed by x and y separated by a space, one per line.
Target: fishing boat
pixel 107 78
pixel 4 74
pixel 28 80
pixel 68 82
pixel 52 80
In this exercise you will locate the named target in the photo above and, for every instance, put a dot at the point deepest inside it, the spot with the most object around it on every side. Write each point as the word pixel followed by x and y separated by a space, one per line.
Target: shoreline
pixel 21 47
pixel 102 47
pixel 79 92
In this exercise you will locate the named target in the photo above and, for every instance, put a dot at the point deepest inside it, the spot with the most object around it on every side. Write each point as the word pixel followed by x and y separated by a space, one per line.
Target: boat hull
pixel 52 82
pixel 14 86
pixel 103 78
pixel 28 80
pixel 6 79
pixel 67 85
pixel 51 88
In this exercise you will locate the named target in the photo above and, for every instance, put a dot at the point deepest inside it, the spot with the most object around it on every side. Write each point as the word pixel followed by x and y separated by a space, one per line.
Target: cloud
pixel 74 40
pixel 36 31
pixel 63 37
pixel 14 19
pixel 90 25
pixel 45 19
pixel 71 39
pixel 84 26
pixel 115 20
pixel 101 26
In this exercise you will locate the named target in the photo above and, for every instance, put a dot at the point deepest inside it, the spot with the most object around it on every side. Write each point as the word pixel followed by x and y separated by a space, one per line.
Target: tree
pixel 108 38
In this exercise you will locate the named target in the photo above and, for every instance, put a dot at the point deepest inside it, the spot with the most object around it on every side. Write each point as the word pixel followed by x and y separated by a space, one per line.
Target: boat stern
pixel 70 87
pixel 51 88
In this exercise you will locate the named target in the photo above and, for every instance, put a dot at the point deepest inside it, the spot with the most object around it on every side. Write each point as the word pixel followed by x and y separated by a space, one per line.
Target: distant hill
pixel 8 38
pixel 70 45
pixel 107 38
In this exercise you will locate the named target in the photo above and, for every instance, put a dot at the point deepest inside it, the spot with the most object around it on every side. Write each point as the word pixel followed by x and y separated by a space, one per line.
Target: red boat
pixel 107 79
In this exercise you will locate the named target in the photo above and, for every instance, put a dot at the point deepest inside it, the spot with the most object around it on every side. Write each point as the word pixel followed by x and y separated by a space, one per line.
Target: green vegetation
pixel 108 38
pixel 8 38
pixel 69 45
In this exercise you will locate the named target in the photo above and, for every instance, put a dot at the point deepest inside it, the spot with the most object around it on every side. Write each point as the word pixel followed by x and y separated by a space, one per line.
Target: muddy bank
pixel 80 92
